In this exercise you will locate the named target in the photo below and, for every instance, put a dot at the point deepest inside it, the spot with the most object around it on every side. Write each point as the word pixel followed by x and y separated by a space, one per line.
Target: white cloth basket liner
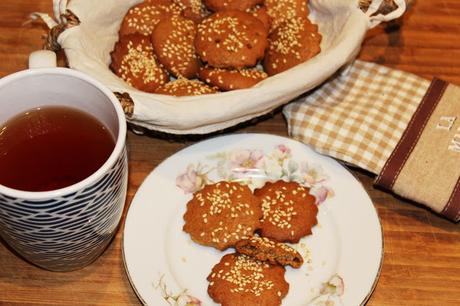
pixel 87 46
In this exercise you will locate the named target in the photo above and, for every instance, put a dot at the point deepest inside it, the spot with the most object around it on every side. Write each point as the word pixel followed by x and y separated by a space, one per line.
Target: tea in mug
pixel 52 147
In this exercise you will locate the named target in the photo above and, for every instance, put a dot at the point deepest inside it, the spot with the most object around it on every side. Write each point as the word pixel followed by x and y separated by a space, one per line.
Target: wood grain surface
pixel 422 251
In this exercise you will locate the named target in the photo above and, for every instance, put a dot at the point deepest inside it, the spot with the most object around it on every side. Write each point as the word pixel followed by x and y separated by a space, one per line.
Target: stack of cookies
pixel 257 224
pixel 195 47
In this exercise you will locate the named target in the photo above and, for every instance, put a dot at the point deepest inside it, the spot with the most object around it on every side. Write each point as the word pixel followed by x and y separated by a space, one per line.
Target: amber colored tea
pixel 52 147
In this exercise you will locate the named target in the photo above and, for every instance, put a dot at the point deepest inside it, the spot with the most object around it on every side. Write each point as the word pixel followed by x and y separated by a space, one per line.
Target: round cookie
pixel 231 39
pixel 192 9
pixel 239 280
pixel 260 12
pixel 172 40
pixel 184 87
pixel 291 43
pixel 222 5
pixel 226 79
pixel 282 10
pixel 133 61
pixel 289 211
pixel 221 214
pixel 264 249
pixel 143 18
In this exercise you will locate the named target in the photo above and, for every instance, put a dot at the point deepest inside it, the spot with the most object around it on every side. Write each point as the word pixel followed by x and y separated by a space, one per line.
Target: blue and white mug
pixel 68 228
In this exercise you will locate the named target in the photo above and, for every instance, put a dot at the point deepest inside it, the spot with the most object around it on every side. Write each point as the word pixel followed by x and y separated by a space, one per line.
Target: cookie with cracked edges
pixel 240 280
pixel 289 211
pixel 221 214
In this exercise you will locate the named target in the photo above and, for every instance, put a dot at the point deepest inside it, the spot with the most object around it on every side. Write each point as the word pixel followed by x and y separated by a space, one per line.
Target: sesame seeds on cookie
pixel 231 79
pixel 134 62
pixel 221 214
pixel 184 87
pixel 239 280
pixel 193 9
pixel 231 39
pixel 143 17
pixel 282 10
pixel 222 5
pixel 293 42
pixel 264 249
pixel 173 42
pixel 289 211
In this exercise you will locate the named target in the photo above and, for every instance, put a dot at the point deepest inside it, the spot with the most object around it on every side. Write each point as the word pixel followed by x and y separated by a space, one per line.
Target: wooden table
pixel 422 251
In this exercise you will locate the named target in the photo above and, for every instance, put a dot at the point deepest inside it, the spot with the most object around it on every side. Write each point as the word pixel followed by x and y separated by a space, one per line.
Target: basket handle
pixel 379 11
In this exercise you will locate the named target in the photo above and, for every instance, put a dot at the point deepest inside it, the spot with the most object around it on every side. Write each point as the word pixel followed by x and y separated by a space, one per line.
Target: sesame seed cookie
pixel 264 249
pixel 226 79
pixel 231 39
pixel 172 41
pixel 133 61
pixel 260 12
pixel 289 211
pixel 282 10
pixel 291 43
pixel 185 87
pixel 239 280
pixel 143 17
pixel 221 214
pixel 193 9
pixel 221 5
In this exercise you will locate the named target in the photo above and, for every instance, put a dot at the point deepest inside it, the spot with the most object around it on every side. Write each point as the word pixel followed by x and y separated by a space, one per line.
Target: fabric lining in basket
pixel 88 45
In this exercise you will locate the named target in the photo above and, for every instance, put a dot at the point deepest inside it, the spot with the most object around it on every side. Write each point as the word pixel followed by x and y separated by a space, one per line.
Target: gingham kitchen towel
pixel 392 123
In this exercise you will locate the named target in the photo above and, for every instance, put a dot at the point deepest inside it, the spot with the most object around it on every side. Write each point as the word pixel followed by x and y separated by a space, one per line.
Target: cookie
pixel 222 5
pixel 289 211
pixel 172 40
pixel 282 10
pixel 221 214
pixel 264 249
pixel 260 12
pixel 133 61
pixel 239 280
pixel 193 9
pixel 226 79
pixel 184 87
pixel 143 18
pixel 291 43
pixel 231 39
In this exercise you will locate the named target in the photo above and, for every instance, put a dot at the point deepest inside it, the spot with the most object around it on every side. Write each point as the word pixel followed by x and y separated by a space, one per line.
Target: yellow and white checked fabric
pixel 359 115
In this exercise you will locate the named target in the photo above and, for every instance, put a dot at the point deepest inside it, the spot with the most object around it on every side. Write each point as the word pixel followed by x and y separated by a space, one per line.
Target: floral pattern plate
pixel 342 256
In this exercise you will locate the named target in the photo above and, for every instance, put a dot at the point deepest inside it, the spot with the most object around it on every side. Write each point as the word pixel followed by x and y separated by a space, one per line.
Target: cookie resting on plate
pixel 289 211
pixel 239 280
pixel 264 249
pixel 221 214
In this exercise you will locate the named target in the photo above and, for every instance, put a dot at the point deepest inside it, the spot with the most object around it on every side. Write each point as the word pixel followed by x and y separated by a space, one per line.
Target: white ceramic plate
pixel 342 256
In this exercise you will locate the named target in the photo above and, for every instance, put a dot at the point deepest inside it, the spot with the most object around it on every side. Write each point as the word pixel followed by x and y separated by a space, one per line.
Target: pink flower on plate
pixel 281 153
pixel 192 301
pixel 321 193
pixel 192 180
pixel 312 174
pixel 246 161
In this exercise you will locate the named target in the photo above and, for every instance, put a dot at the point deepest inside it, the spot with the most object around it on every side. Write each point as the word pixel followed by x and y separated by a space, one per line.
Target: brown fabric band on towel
pixel 425 165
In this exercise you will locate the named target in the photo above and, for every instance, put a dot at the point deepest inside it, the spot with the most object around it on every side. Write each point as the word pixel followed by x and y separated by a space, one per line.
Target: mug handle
pixel 42 59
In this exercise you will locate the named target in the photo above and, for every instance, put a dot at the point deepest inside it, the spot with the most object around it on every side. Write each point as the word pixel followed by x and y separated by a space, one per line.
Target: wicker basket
pixel 87 31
